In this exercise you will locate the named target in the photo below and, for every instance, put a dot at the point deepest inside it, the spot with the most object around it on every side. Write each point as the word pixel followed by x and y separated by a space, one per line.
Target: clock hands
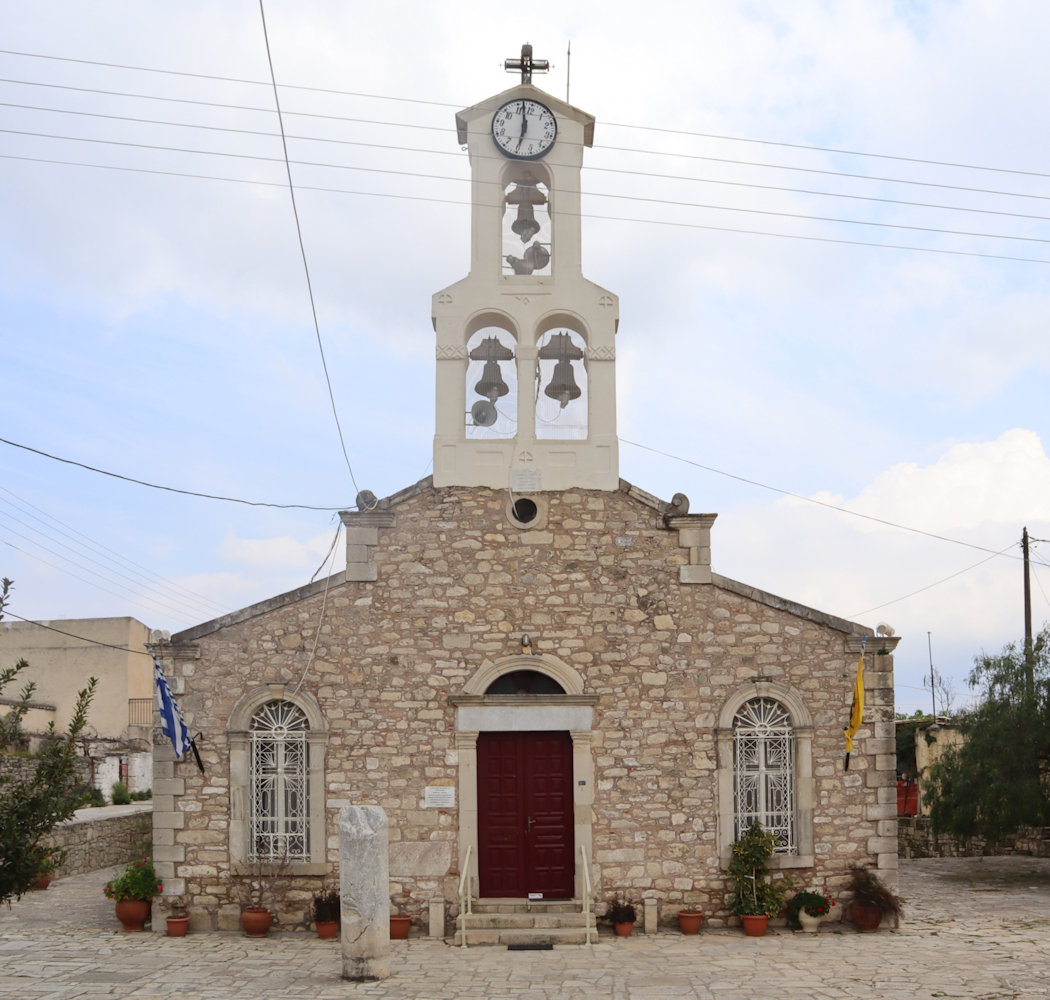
pixel 524 124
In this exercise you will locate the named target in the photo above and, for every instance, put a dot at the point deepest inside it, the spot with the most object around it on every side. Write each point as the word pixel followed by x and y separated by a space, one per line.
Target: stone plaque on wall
pixel 439 797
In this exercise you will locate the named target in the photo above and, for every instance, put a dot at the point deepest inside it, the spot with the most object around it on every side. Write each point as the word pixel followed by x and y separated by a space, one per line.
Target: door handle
pixel 528 825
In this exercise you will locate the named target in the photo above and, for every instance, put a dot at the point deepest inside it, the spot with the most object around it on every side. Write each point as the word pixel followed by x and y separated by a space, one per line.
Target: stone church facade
pixel 529 663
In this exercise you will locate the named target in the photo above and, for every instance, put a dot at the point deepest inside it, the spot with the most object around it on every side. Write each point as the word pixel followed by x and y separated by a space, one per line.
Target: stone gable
pixel 455 584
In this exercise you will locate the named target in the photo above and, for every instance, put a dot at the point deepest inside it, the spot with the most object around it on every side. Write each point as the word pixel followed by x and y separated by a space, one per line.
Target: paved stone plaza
pixel 973 928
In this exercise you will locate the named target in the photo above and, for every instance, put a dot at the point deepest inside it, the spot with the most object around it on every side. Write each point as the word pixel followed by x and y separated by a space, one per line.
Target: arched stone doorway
pixel 526 739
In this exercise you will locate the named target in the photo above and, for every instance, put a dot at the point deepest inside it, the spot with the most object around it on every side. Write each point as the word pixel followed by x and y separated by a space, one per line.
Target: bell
pixel 491 384
pixel 492 352
pixel 563 351
pixel 525 196
pixel 563 385
pixel 525 225
pixel 537 256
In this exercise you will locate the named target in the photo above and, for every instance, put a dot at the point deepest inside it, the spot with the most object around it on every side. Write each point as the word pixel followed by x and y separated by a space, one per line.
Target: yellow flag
pixel 856 713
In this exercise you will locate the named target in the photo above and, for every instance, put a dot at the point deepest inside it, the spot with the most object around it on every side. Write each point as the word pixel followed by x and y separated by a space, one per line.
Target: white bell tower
pixel 526 357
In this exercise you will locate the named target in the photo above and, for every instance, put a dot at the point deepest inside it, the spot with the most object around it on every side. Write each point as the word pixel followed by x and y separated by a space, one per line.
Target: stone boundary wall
pixel 106 837
pixel 917 840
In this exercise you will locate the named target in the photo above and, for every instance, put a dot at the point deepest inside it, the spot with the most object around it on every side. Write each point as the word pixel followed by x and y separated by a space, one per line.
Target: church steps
pixel 506 922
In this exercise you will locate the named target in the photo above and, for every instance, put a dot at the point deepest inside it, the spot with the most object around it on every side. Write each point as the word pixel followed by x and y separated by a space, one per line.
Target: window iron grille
pixel 279 820
pixel 764 771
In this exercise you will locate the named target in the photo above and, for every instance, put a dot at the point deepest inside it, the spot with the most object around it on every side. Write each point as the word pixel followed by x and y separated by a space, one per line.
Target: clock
pixel 524 129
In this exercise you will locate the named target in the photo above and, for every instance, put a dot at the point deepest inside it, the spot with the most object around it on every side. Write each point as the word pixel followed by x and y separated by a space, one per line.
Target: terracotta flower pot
pixel 42 882
pixel 328 929
pixel 866 918
pixel 399 925
pixel 755 924
pixel 689 921
pixel 177 926
pixel 624 929
pixel 256 921
pixel 133 913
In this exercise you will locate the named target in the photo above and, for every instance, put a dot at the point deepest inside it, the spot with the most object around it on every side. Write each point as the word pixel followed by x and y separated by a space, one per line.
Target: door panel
pixel 525 814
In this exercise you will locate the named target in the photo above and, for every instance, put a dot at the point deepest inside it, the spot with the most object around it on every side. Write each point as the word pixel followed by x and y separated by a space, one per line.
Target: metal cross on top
pixel 526 64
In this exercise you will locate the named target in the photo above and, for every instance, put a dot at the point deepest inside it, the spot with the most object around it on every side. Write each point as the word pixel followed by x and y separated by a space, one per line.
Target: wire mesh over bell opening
pixel 562 386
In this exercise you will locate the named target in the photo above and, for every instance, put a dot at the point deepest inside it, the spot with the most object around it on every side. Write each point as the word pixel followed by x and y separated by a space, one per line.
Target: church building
pixel 530 664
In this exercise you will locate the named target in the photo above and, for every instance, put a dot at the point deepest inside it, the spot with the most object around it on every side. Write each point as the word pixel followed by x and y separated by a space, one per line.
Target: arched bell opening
pixel 526 243
pixel 491 387
pixel 561 385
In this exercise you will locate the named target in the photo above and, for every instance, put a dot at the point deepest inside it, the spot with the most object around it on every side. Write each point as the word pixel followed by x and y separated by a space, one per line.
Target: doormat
pixel 537 946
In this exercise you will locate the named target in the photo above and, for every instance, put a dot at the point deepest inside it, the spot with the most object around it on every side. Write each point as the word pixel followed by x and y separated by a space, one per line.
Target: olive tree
pixel 35 797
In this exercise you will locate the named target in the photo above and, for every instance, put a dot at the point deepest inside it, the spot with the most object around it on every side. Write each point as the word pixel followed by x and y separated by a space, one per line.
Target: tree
pixel 998 780
pixel 32 803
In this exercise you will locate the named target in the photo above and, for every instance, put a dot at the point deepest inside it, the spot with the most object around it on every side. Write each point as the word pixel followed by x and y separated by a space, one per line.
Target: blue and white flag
pixel 171 720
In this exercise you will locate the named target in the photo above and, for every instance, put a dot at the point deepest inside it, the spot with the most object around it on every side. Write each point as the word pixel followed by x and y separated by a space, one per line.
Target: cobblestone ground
pixel 973 928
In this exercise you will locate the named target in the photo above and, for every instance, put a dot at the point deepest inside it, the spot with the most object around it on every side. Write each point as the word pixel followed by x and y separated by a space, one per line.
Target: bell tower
pixel 526 387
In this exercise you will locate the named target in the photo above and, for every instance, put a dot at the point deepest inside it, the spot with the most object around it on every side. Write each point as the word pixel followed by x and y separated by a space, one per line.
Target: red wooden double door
pixel 525 814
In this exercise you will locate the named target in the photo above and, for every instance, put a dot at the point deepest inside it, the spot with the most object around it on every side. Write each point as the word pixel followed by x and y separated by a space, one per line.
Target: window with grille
pixel 280 811
pixel 764 771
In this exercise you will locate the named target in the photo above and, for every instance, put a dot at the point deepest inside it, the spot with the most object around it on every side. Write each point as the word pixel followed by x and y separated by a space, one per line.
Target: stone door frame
pixel 572 712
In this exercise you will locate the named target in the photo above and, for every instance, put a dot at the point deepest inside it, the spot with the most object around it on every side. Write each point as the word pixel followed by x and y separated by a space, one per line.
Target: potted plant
pixel 622 914
pixel 133 891
pixel 806 909
pixel 261 890
pixel 49 864
pixel 755 895
pixel 689 920
pixel 177 917
pixel 400 924
pixel 873 901
pixel 326 913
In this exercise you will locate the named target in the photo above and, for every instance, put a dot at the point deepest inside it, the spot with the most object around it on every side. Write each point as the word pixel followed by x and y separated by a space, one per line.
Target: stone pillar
pixel 364 888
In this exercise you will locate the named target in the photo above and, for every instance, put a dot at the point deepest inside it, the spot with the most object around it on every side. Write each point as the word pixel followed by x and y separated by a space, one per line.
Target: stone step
pixel 496 905
pixel 526 936
pixel 514 921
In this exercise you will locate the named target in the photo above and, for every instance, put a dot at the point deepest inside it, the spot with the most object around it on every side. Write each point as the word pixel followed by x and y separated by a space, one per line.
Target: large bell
pixel 525 196
pixel 525 225
pixel 563 351
pixel 491 384
pixel 563 385
pixel 492 352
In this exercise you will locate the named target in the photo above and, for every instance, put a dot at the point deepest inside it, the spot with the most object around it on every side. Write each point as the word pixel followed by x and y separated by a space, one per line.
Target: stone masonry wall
pixel 107 837
pixel 457 584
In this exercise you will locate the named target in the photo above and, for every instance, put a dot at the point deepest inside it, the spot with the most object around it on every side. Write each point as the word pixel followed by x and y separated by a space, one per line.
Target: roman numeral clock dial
pixel 524 129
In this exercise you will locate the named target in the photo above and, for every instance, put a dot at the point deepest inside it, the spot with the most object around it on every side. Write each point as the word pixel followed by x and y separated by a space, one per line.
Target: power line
pixel 169 489
pixel 622 149
pixel 647 174
pixel 818 503
pixel 463 180
pixel 302 250
pixel 930 586
pixel 93 642
pixel 143 573
pixel 447 104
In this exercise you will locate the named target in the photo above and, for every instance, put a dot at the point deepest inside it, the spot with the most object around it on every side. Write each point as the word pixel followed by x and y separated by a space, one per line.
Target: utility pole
pixel 1028 665
pixel 933 689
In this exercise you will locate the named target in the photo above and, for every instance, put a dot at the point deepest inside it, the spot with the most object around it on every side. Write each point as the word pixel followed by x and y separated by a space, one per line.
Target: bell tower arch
pixel 525 353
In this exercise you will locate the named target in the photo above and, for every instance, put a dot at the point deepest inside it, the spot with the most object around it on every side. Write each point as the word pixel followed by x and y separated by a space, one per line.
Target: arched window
pixel 764 771
pixel 279 818
pixel 277 740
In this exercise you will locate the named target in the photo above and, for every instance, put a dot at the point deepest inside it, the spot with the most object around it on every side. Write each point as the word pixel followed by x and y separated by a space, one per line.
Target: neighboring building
pixel 529 663
pixel 62 656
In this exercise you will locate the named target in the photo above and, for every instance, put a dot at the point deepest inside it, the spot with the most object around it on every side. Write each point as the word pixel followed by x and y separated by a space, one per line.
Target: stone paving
pixel 973 928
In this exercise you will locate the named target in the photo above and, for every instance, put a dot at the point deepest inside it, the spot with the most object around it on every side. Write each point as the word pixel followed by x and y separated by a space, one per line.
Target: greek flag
pixel 171 720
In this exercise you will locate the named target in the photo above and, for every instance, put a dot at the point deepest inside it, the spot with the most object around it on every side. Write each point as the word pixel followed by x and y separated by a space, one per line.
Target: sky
pixel 825 221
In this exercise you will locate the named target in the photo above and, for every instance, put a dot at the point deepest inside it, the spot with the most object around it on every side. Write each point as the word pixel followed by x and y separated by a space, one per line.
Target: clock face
pixel 524 129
